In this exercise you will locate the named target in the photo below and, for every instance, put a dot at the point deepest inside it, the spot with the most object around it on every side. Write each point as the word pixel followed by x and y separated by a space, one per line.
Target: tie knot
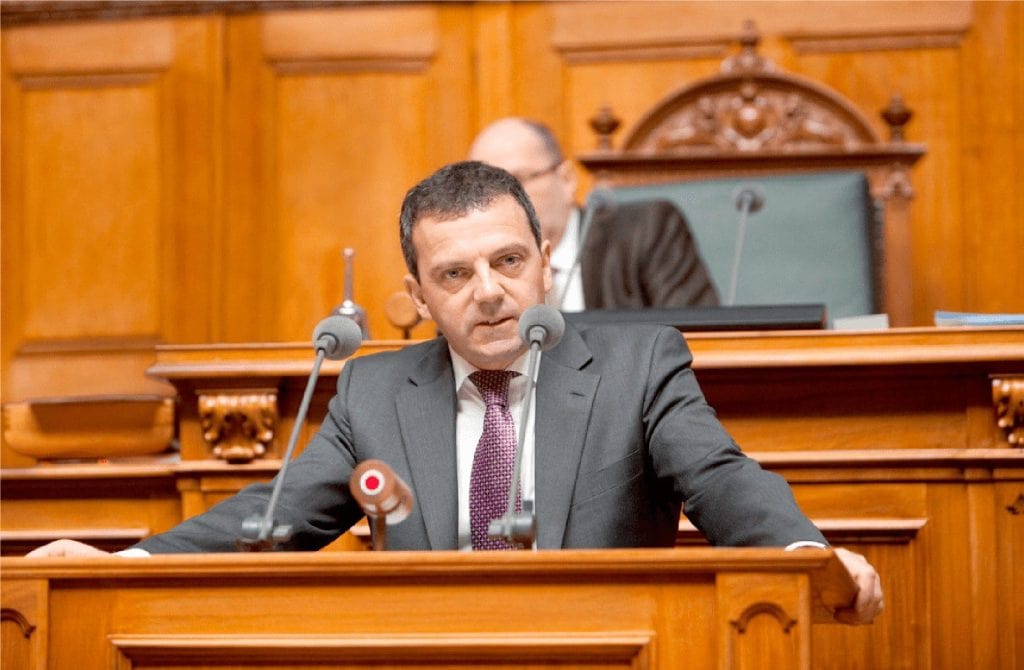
pixel 493 385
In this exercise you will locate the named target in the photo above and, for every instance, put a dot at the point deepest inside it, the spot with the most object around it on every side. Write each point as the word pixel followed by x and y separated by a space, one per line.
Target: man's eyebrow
pixel 515 247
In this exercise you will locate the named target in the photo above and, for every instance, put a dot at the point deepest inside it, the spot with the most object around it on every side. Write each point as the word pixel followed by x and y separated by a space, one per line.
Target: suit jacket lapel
pixel 565 397
pixel 426 411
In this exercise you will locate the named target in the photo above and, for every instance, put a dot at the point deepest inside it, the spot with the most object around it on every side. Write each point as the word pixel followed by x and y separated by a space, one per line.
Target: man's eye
pixel 453 273
pixel 511 260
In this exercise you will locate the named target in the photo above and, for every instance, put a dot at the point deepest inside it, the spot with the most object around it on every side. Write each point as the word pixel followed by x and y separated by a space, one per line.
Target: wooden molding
pixel 741 622
pixel 9 614
pixel 29 12
pixel 20 542
pixel 576 647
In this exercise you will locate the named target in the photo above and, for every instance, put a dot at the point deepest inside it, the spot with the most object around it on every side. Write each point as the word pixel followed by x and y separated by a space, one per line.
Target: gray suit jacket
pixel 642 254
pixel 623 437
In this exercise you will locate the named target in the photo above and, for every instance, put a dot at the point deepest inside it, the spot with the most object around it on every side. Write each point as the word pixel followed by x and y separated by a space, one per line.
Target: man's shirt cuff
pixel 805 543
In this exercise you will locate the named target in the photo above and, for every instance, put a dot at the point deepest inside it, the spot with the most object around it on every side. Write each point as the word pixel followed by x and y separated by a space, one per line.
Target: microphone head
pixel 542 324
pixel 337 336
pixel 749 197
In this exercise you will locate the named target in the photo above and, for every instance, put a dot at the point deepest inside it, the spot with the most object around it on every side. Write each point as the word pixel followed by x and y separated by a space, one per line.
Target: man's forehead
pixel 511 148
pixel 500 208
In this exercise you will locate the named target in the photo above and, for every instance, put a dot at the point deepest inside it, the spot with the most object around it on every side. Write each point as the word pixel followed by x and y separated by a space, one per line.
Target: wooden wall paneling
pixel 540 78
pixel 448 111
pixel 494 66
pixel 245 309
pixel 992 95
pixel 985 581
pixel 24 622
pixel 342 115
pixel 12 262
pixel 102 204
pixel 921 76
pixel 902 641
pixel 1008 548
pixel 953 636
pixel 615 56
pixel 840 409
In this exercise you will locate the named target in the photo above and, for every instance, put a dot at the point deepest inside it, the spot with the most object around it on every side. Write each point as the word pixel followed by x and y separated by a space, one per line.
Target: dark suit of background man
pixel 639 254
pixel 622 435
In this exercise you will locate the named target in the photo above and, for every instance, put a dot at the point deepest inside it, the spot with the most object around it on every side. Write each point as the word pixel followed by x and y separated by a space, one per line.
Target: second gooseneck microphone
pixel 749 199
pixel 599 200
pixel 541 328
pixel 336 337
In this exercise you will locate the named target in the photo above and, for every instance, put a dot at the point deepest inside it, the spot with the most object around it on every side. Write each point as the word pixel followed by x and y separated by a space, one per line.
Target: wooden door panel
pixel 107 200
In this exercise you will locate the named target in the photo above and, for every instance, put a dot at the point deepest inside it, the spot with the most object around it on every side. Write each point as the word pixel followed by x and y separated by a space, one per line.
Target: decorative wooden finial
pixel 604 124
pixel 747 59
pixel 896 114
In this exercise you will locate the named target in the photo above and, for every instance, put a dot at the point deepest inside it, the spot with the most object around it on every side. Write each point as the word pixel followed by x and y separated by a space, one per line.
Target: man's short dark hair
pixel 454 191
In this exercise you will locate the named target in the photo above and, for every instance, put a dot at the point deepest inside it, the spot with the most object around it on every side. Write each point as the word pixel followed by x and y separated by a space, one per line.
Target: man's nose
pixel 488 287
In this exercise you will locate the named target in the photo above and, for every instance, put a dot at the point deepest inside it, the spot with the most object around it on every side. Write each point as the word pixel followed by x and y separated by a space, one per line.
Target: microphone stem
pixel 524 418
pixel 267 524
pixel 744 213
pixel 586 220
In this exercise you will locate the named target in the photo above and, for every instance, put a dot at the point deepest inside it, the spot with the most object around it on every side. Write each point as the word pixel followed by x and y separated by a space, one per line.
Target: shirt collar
pixel 463 368
pixel 564 255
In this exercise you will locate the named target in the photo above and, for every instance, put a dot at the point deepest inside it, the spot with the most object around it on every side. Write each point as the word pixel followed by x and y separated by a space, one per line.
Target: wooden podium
pixel 649 608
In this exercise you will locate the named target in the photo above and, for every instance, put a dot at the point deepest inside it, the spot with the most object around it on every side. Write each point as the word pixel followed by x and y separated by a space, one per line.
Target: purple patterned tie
pixel 494 460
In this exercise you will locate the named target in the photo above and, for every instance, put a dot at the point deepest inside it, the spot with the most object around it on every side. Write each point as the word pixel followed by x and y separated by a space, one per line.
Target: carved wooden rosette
pixel 1008 400
pixel 238 426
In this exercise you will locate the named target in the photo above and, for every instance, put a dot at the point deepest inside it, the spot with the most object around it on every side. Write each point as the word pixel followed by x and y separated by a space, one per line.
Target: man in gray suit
pixel 631 255
pixel 621 439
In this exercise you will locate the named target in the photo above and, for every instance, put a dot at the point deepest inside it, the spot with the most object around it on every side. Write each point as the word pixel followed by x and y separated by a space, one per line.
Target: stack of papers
pixel 977 319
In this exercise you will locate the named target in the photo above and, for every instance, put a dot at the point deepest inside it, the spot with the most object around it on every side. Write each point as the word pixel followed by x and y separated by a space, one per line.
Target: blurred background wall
pixel 189 172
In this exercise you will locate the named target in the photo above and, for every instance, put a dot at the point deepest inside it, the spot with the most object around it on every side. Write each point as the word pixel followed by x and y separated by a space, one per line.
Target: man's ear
pixel 416 293
pixel 545 259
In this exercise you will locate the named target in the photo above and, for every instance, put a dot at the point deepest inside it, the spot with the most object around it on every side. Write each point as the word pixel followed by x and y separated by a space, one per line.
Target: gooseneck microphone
pixel 748 199
pixel 383 496
pixel 336 337
pixel 598 200
pixel 541 328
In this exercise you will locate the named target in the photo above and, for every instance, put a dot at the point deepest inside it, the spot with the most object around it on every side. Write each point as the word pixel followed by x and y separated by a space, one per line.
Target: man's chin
pixel 496 355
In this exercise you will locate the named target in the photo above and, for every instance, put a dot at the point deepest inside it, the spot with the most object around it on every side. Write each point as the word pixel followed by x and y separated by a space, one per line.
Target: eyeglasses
pixel 530 176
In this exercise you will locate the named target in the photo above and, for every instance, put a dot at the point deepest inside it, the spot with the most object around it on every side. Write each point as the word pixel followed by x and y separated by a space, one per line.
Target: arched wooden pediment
pixel 755 109
pixel 752 107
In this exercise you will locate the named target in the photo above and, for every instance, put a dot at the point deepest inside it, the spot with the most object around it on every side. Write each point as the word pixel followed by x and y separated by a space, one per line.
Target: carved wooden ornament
pixel 1008 399
pixel 239 426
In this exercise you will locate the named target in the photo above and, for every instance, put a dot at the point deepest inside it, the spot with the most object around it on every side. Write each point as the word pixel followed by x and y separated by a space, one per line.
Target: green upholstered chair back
pixel 813 240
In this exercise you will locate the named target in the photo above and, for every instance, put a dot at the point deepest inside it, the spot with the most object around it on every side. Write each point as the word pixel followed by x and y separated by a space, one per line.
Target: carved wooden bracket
pixel 785 621
pixel 897 184
pixel 1008 399
pixel 239 426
